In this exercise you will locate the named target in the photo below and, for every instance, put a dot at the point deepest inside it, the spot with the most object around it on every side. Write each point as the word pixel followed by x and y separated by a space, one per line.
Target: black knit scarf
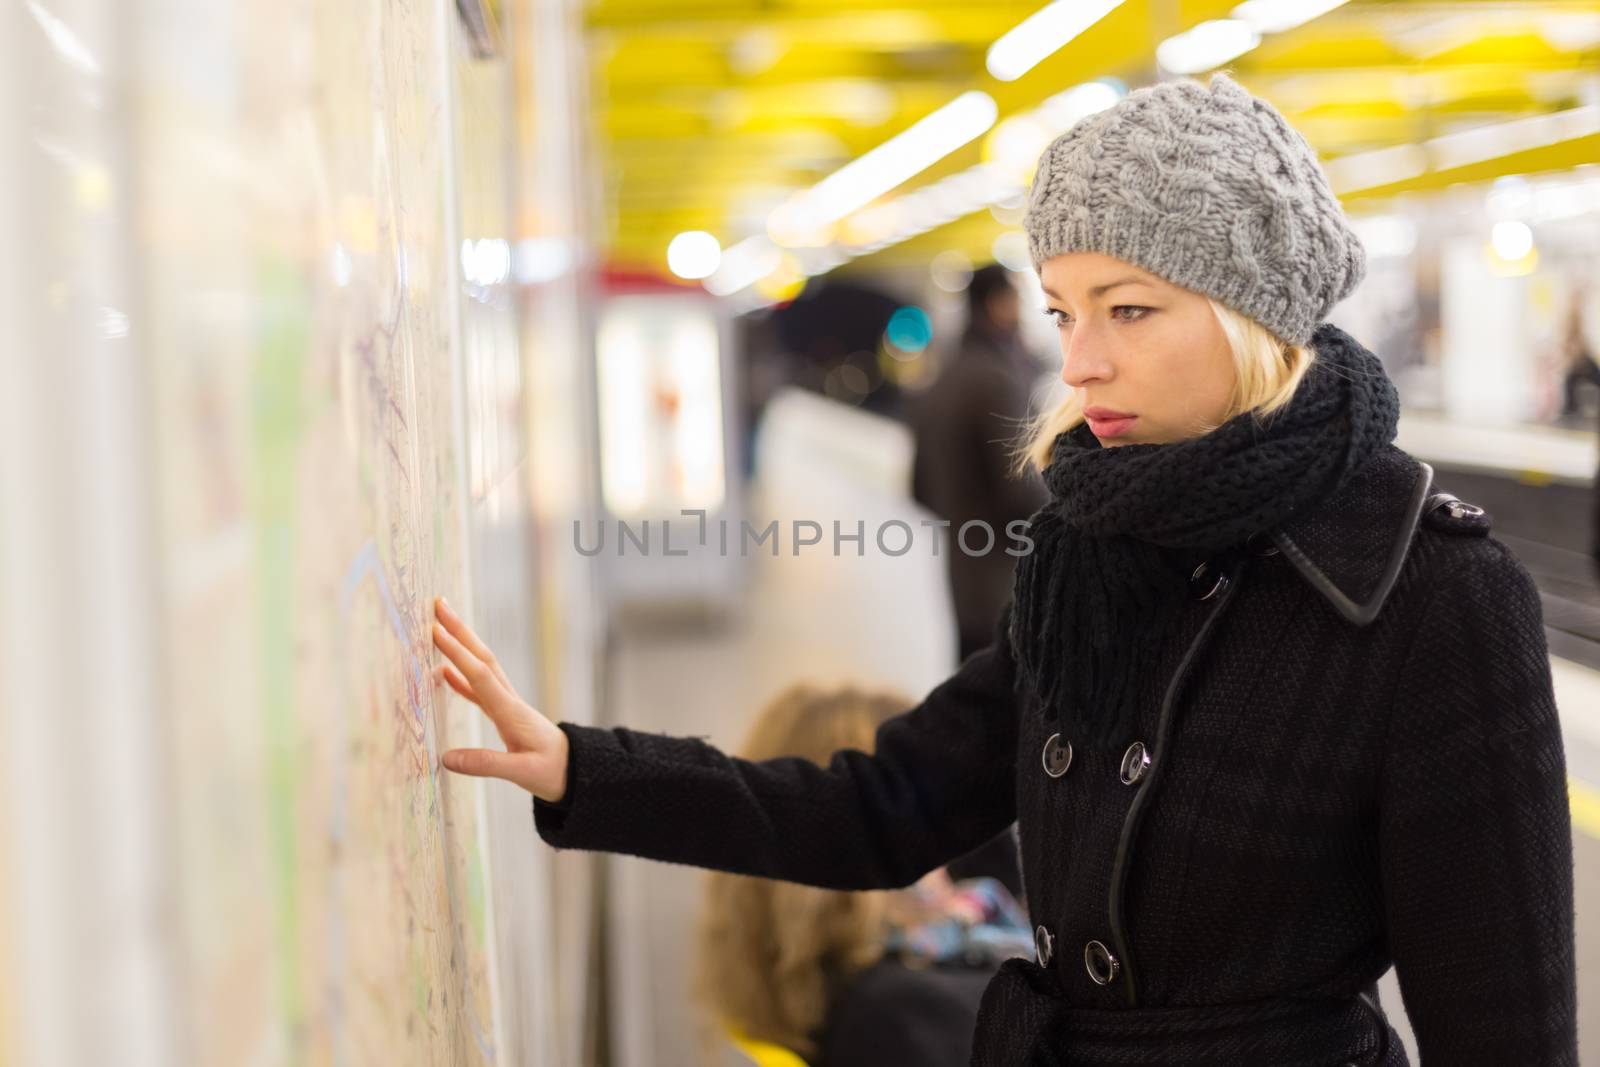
pixel 1102 589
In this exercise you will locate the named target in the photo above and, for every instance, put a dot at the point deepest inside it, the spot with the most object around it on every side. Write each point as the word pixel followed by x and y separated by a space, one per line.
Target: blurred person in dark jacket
pixel 842 978
pixel 965 428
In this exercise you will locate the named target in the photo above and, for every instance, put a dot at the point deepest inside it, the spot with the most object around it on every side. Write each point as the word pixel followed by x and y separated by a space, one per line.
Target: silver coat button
pixel 1043 946
pixel 1207 581
pixel 1260 544
pixel 1057 756
pixel 1134 762
pixel 1100 963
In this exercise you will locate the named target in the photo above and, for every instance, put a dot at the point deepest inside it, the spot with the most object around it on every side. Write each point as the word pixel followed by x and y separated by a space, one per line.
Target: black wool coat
pixel 1350 759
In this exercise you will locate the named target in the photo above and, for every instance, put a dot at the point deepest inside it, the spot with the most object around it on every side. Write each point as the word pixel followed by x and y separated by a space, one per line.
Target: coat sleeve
pixel 939 783
pixel 1475 831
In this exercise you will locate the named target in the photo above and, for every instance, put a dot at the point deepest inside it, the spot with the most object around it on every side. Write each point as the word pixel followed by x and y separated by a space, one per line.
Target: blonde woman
pixel 811 970
pixel 1272 711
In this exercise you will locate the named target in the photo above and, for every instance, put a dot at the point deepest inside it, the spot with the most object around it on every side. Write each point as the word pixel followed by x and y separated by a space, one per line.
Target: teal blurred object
pixel 910 329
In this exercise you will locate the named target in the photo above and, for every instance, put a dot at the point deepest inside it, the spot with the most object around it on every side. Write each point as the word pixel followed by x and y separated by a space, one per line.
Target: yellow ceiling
pixel 708 113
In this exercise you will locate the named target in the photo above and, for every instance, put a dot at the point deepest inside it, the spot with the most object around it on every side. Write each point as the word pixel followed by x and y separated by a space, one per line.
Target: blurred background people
pixel 1580 391
pixel 1580 399
pixel 965 428
pixel 847 979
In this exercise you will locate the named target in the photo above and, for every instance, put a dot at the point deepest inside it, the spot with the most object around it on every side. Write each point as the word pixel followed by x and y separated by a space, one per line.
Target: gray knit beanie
pixel 1209 188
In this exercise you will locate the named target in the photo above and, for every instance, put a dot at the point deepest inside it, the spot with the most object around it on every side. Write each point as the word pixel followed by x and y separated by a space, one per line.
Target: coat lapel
pixel 1350 548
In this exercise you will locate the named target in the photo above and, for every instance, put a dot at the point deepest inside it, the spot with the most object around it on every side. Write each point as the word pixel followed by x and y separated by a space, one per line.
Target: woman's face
pixel 1135 345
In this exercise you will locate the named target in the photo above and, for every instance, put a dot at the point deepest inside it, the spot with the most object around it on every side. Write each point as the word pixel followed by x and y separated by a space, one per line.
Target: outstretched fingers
pixel 457 627
pixel 484 763
pixel 476 681
pixel 444 673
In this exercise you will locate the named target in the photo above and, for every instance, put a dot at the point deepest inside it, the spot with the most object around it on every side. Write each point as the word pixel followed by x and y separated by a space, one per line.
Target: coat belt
pixel 1023 1022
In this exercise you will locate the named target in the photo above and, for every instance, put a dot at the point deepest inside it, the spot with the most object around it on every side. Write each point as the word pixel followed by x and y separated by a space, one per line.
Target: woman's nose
pixel 1082 360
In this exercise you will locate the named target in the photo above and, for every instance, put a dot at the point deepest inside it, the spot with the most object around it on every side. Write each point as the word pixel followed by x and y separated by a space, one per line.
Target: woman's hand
pixel 536 749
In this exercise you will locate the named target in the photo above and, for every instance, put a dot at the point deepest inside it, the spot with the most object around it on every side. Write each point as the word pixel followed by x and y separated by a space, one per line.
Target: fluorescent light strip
pixel 1067 108
pixel 1385 166
pixel 1278 16
pixel 1366 170
pixel 908 215
pixel 1042 34
pixel 898 159
pixel 744 264
pixel 1518 135
pixel 1207 45
pixel 1558 200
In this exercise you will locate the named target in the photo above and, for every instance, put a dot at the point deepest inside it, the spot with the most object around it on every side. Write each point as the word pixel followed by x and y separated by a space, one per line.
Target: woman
pixel 846 979
pixel 1270 710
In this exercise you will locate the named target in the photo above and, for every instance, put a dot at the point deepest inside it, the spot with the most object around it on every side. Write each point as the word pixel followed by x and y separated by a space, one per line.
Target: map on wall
pixel 298 280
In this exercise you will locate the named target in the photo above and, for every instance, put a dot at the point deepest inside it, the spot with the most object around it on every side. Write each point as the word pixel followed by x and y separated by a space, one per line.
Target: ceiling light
pixel 1207 45
pixel 694 254
pixel 744 264
pixel 1384 166
pixel 1065 109
pixel 1518 135
pixel 1276 16
pixel 1511 239
pixel 868 177
pixel 755 52
pixel 1569 31
pixel 1043 33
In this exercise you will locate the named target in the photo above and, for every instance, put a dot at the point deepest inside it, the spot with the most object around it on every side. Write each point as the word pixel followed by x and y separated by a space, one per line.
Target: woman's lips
pixel 1111 427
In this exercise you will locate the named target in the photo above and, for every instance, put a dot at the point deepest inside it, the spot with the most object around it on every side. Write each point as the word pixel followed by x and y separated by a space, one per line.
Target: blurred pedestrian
pixel 1581 370
pixel 1578 362
pixel 966 429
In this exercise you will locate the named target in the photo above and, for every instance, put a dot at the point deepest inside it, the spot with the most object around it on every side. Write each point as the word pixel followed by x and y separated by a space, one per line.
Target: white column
pixel 1487 367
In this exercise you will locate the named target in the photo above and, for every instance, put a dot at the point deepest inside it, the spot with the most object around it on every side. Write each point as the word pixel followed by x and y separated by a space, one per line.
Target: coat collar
pixel 1351 546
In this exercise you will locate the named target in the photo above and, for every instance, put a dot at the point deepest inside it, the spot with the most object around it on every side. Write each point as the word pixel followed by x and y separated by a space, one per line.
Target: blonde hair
pixel 1267 371
pixel 772 954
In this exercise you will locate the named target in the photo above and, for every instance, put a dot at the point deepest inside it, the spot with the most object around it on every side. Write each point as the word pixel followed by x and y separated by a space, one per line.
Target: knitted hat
pixel 1209 188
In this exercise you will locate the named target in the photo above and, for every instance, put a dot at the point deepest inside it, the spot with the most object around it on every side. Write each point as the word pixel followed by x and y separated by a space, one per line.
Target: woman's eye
pixel 1063 319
